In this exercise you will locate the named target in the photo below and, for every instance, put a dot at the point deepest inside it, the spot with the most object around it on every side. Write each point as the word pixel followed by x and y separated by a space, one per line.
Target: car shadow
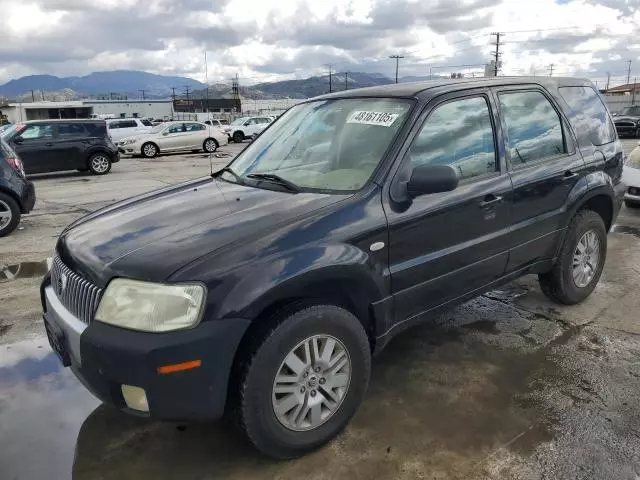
pixel 64 174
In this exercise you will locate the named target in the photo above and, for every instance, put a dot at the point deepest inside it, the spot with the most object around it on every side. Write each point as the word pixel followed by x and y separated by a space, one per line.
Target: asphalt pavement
pixel 506 386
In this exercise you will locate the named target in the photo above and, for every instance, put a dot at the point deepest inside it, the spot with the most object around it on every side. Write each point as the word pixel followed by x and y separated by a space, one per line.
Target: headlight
pixel 151 307
pixel 128 141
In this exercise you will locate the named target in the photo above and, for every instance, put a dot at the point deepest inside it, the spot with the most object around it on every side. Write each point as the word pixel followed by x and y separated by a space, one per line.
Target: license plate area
pixel 57 341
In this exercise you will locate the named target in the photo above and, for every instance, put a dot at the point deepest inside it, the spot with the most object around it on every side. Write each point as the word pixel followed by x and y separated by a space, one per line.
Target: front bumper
pixel 104 358
pixel 632 194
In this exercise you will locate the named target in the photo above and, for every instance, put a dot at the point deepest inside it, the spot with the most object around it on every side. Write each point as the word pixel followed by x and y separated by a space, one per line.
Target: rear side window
pixel 128 124
pixel 588 116
pixel 534 129
pixel 460 134
pixel 147 123
pixel 71 129
pixel 114 125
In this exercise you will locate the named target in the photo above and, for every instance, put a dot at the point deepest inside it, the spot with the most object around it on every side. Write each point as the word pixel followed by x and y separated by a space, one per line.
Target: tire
pixel 238 137
pixel 149 150
pixel 264 357
pixel 560 283
pixel 632 204
pixel 9 214
pixel 99 164
pixel 210 145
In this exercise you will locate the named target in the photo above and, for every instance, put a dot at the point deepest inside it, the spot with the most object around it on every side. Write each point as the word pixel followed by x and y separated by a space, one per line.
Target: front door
pixel 35 144
pixel 173 138
pixel 447 244
pixel 544 167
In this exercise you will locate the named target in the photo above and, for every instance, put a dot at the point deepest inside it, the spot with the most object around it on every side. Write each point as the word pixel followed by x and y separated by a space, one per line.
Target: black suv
pixel 57 145
pixel 628 122
pixel 17 195
pixel 264 289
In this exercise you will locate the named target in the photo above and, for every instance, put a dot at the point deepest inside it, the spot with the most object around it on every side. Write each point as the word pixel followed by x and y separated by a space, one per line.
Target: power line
pixel 397 59
pixel 497 53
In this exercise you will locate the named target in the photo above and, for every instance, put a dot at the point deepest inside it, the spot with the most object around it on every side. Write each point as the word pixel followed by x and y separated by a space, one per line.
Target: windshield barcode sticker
pixel 382 119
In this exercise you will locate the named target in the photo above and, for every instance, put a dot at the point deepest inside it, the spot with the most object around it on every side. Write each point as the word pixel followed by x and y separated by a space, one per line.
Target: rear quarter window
pixel 588 116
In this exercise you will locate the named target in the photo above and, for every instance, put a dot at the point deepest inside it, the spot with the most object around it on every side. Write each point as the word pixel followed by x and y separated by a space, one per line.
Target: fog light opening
pixel 135 398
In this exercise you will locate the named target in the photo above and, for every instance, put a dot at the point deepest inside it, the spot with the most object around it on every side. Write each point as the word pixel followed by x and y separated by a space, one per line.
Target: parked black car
pixel 264 289
pixel 17 195
pixel 57 145
pixel 628 122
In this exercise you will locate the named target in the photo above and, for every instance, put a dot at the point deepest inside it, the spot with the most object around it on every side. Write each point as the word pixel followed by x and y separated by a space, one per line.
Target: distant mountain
pixel 122 82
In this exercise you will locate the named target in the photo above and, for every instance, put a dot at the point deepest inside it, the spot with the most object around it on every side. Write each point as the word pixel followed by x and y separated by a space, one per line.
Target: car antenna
pixel 206 94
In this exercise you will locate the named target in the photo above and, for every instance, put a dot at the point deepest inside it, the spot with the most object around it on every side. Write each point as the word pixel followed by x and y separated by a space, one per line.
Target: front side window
pixel 176 128
pixel 37 132
pixel 114 125
pixel 534 129
pixel 194 127
pixel 128 124
pixel 460 134
pixel 588 116
pixel 71 129
pixel 329 145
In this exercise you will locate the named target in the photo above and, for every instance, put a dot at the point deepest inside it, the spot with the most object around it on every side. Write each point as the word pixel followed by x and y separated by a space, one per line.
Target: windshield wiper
pixel 272 177
pixel 234 174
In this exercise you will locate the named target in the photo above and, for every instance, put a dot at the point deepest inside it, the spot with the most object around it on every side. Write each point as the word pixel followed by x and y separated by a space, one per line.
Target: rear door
pixel 196 135
pixel 544 166
pixel 70 145
pixel 447 244
pixel 34 144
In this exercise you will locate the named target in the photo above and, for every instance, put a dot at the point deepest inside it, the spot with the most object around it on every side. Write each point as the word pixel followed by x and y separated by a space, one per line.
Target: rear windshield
pixel 588 116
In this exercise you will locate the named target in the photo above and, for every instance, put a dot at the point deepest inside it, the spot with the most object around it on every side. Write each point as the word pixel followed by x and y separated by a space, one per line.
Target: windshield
pixel 239 121
pixel 326 145
pixel 634 110
pixel 158 128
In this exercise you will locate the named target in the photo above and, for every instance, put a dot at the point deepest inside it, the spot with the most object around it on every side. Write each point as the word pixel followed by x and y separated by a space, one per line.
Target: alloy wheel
pixel 311 383
pixel 210 146
pixel 5 214
pixel 149 150
pixel 100 163
pixel 586 258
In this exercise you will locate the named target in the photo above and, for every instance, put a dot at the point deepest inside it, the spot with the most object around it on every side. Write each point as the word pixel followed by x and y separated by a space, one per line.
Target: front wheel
pixel 301 381
pixel 581 260
pixel 99 164
pixel 149 150
pixel 210 145
pixel 238 137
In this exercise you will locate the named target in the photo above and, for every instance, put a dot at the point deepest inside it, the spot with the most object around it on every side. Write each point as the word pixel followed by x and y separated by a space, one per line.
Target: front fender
pixel 298 273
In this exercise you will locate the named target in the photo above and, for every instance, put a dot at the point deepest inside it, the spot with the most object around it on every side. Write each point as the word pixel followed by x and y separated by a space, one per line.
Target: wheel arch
pixel 12 194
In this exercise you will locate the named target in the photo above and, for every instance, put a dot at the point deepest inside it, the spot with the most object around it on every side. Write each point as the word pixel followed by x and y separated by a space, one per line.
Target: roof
pixel 97 102
pixel 414 89
pixel 64 120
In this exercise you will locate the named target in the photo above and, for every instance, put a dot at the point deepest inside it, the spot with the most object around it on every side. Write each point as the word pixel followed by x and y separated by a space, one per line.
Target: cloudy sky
pixel 264 40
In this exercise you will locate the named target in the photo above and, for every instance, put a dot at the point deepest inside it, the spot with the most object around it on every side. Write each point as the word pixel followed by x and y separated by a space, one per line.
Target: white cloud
pixel 270 39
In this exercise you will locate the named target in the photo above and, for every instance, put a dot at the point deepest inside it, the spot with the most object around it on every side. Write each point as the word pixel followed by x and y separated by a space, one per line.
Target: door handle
pixel 48 144
pixel 490 200
pixel 569 175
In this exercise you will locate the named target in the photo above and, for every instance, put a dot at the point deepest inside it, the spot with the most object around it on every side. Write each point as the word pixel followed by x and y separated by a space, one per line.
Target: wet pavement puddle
pixel 15 271
pixel 441 400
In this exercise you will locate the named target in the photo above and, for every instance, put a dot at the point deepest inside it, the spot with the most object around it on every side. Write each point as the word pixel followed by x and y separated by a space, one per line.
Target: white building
pixel 275 106
pixel 21 112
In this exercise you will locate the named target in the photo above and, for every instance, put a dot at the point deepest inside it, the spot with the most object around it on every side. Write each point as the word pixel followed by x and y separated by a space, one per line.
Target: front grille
pixel 78 295
pixel 625 125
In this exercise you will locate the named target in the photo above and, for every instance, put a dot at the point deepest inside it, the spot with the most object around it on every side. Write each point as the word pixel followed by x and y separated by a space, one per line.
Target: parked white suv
pixel 246 127
pixel 126 127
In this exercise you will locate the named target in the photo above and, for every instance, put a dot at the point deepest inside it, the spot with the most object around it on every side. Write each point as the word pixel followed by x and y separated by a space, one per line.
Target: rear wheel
pixel 210 145
pixel 9 214
pixel 99 164
pixel 581 260
pixel 301 381
pixel 238 137
pixel 149 150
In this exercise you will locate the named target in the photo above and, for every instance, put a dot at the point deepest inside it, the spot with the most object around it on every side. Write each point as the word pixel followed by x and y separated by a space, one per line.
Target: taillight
pixel 16 164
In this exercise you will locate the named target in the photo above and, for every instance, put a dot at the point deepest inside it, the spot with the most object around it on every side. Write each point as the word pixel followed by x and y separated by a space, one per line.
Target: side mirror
pixel 426 179
pixel 165 133
pixel 246 124
pixel 614 114
pixel 18 140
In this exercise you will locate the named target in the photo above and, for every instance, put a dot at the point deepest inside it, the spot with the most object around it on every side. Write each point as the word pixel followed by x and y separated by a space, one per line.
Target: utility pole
pixel 633 92
pixel 608 80
pixel 397 59
pixel 188 103
pixel 346 76
pixel 629 71
pixel 42 94
pixel 143 97
pixel 33 96
pixel 330 78
pixel 497 53
pixel 173 101
pixel 551 70
pixel 235 88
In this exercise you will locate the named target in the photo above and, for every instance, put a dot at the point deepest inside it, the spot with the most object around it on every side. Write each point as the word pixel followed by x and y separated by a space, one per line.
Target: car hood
pixel 151 236
pixel 626 118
